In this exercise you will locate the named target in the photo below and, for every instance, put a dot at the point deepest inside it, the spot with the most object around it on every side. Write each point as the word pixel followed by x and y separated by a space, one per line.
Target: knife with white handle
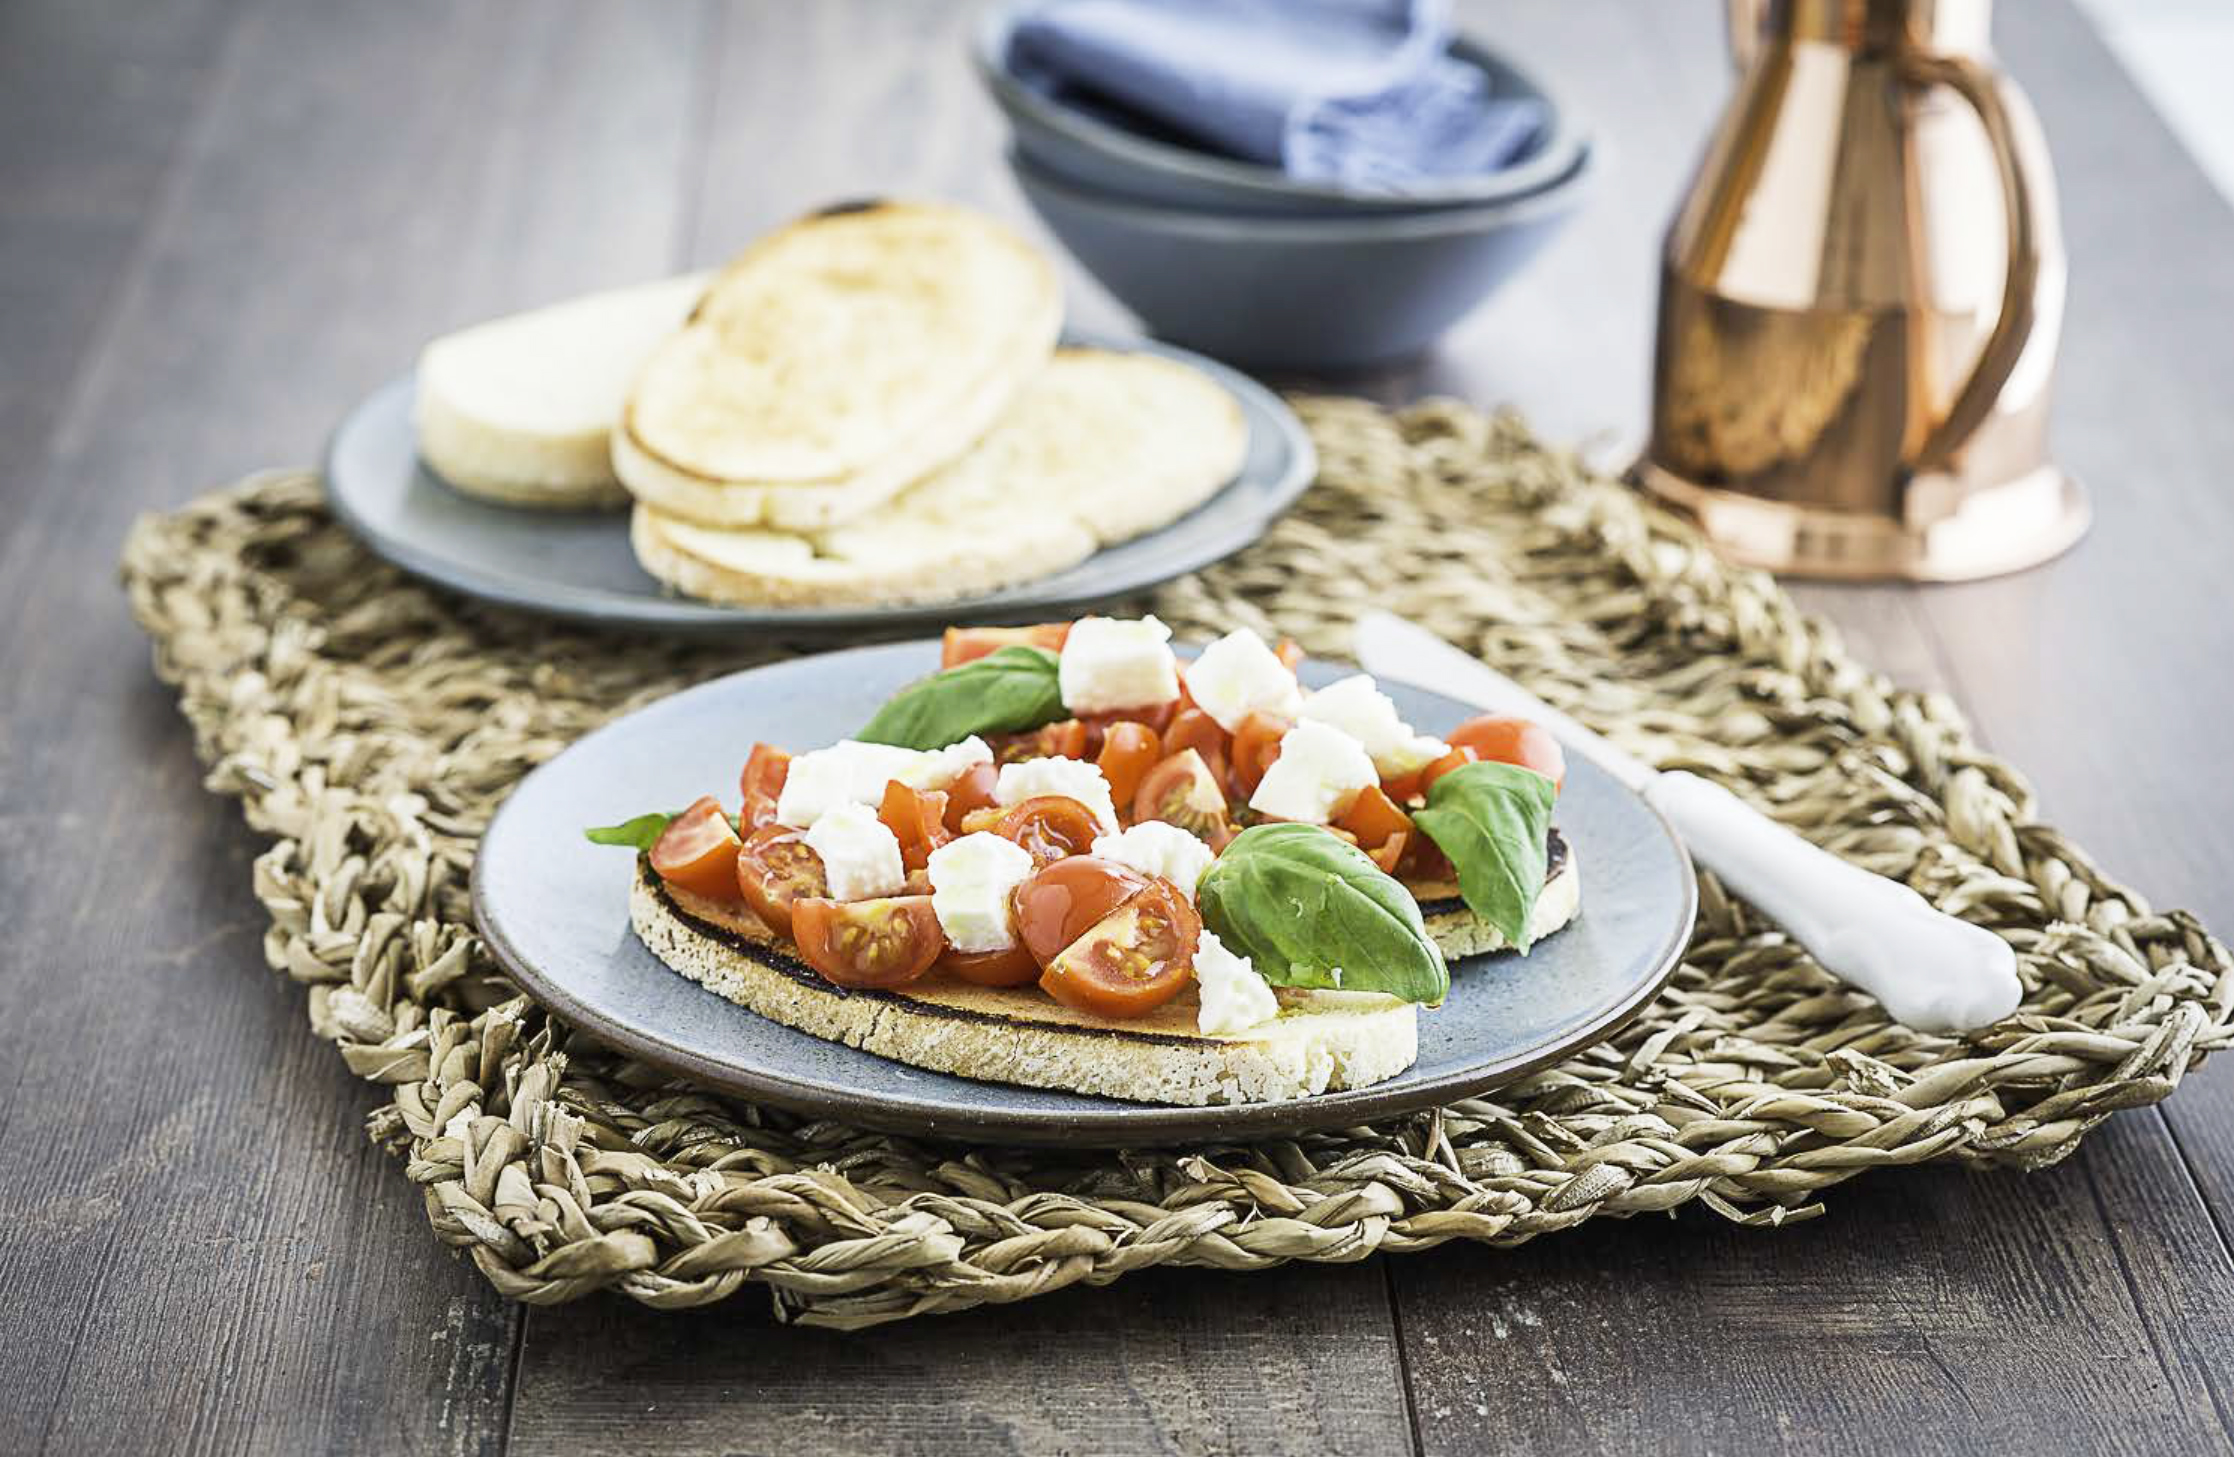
pixel 1933 972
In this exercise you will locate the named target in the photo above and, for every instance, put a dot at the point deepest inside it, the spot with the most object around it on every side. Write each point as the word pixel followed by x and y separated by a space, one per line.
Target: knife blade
pixel 1932 971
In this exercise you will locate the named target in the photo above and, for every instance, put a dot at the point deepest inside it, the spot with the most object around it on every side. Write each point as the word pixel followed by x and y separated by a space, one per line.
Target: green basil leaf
pixel 1007 691
pixel 636 834
pixel 1302 903
pixel 1491 821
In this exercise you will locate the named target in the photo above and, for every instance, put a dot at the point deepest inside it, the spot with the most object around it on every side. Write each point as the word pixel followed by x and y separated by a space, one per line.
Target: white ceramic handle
pixel 1934 972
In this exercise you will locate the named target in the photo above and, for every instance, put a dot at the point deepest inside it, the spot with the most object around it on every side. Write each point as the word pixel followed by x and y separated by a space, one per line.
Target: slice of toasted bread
pixel 1321 1041
pixel 521 409
pixel 1101 447
pixel 834 362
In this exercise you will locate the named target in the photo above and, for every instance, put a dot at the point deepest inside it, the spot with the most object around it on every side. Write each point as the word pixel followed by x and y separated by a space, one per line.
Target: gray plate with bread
pixel 872 416
pixel 555 911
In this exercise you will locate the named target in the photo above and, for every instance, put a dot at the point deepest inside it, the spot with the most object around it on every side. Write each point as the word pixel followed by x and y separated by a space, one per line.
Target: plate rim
pixel 1122 1124
pixel 656 609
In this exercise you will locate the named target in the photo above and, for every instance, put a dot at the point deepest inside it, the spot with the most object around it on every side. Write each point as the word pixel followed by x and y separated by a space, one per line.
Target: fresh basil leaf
pixel 1303 905
pixel 1491 821
pixel 637 834
pixel 1008 690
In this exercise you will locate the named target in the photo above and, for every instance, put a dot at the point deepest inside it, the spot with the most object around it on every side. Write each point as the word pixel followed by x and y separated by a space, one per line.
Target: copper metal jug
pixel 1860 301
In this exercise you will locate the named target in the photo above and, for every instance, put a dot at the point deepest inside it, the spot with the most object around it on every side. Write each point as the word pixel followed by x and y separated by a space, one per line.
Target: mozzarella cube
pixel 1361 710
pixel 1155 848
pixel 972 880
pixel 938 768
pixel 1238 675
pixel 1074 778
pixel 1110 664
pixel 1317 776
pixel 849 772
pixel 1234 997
pixel 860 855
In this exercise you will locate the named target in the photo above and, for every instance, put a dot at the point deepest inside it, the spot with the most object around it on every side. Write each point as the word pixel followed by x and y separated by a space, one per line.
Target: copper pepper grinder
pixel 1860 303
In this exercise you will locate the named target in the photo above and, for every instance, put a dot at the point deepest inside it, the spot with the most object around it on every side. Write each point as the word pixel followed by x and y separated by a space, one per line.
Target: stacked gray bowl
pixel 1245 263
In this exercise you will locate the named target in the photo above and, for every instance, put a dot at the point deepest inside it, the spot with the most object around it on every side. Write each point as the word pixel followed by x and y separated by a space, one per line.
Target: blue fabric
pixel 1356 92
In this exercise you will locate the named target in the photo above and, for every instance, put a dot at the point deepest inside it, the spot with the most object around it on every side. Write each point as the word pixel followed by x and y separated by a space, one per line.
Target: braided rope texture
pixel 370 725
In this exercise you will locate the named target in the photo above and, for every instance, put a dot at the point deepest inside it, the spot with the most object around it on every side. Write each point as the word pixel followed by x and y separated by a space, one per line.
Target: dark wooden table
pixel 223 220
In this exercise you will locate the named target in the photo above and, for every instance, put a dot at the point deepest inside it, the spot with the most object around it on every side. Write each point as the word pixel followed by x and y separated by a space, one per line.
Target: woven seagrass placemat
pixel 370 725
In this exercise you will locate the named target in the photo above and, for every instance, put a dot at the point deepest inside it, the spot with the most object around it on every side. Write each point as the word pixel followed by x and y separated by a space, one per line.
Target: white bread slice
pixel 834 362
pixel 1099 448
pixel 521 409
pixel 1321 1042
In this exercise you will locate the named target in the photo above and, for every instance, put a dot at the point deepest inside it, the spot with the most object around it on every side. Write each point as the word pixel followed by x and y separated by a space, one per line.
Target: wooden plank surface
pixel 222 220
pixel 203 1250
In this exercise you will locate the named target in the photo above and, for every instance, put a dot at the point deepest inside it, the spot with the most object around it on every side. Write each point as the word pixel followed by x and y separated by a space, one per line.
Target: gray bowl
pixel 1321 295
pixel 1097 155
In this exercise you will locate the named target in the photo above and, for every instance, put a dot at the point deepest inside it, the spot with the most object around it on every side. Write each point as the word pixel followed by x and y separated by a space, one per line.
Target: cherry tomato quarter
pixel 698 851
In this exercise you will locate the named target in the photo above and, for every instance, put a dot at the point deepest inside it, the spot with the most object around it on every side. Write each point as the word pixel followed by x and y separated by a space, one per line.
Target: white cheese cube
pixel 860 856
pixel 1317 776
pixel 972 880
pixel 1110 663
pixel 1075 778
pixel 938 768
pixel 849 772
pixel 1361 710
pixel 1234 997
pixel 1238 675
pixel 1155 848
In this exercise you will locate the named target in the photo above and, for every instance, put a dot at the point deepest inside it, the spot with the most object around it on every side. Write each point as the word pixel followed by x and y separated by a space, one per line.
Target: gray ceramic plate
pixel 554 910
pixel 578 564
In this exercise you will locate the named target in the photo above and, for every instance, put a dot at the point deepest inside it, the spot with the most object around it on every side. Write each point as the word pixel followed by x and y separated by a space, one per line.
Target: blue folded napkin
pixel 1360 93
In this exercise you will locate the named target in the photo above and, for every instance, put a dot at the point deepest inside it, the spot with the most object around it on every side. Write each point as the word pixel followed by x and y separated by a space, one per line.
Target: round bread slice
pixel 1322 1041
pixel 1100 448
pixel 520 410
pixel 836 361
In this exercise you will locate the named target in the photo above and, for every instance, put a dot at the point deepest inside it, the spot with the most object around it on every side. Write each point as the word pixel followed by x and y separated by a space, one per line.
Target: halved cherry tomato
pixel 1373 817
pixel 1256 743
pixel 1290 654
pixel 759 810
pixel 1014 967
pixel 1183 791
pixel 1499 740
pixel 1389 854
pixel 1060 902
pixel 917 819
pixel 698 851
pixel 775 868
pixel 1452 760
pixel 1128 751
pixel 1193 729
pixel 1134 959
pixel 967 644
pixel 765 771
pixel 972 790
pixel 872 943
pixel 1063 739
pixel 1050 826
